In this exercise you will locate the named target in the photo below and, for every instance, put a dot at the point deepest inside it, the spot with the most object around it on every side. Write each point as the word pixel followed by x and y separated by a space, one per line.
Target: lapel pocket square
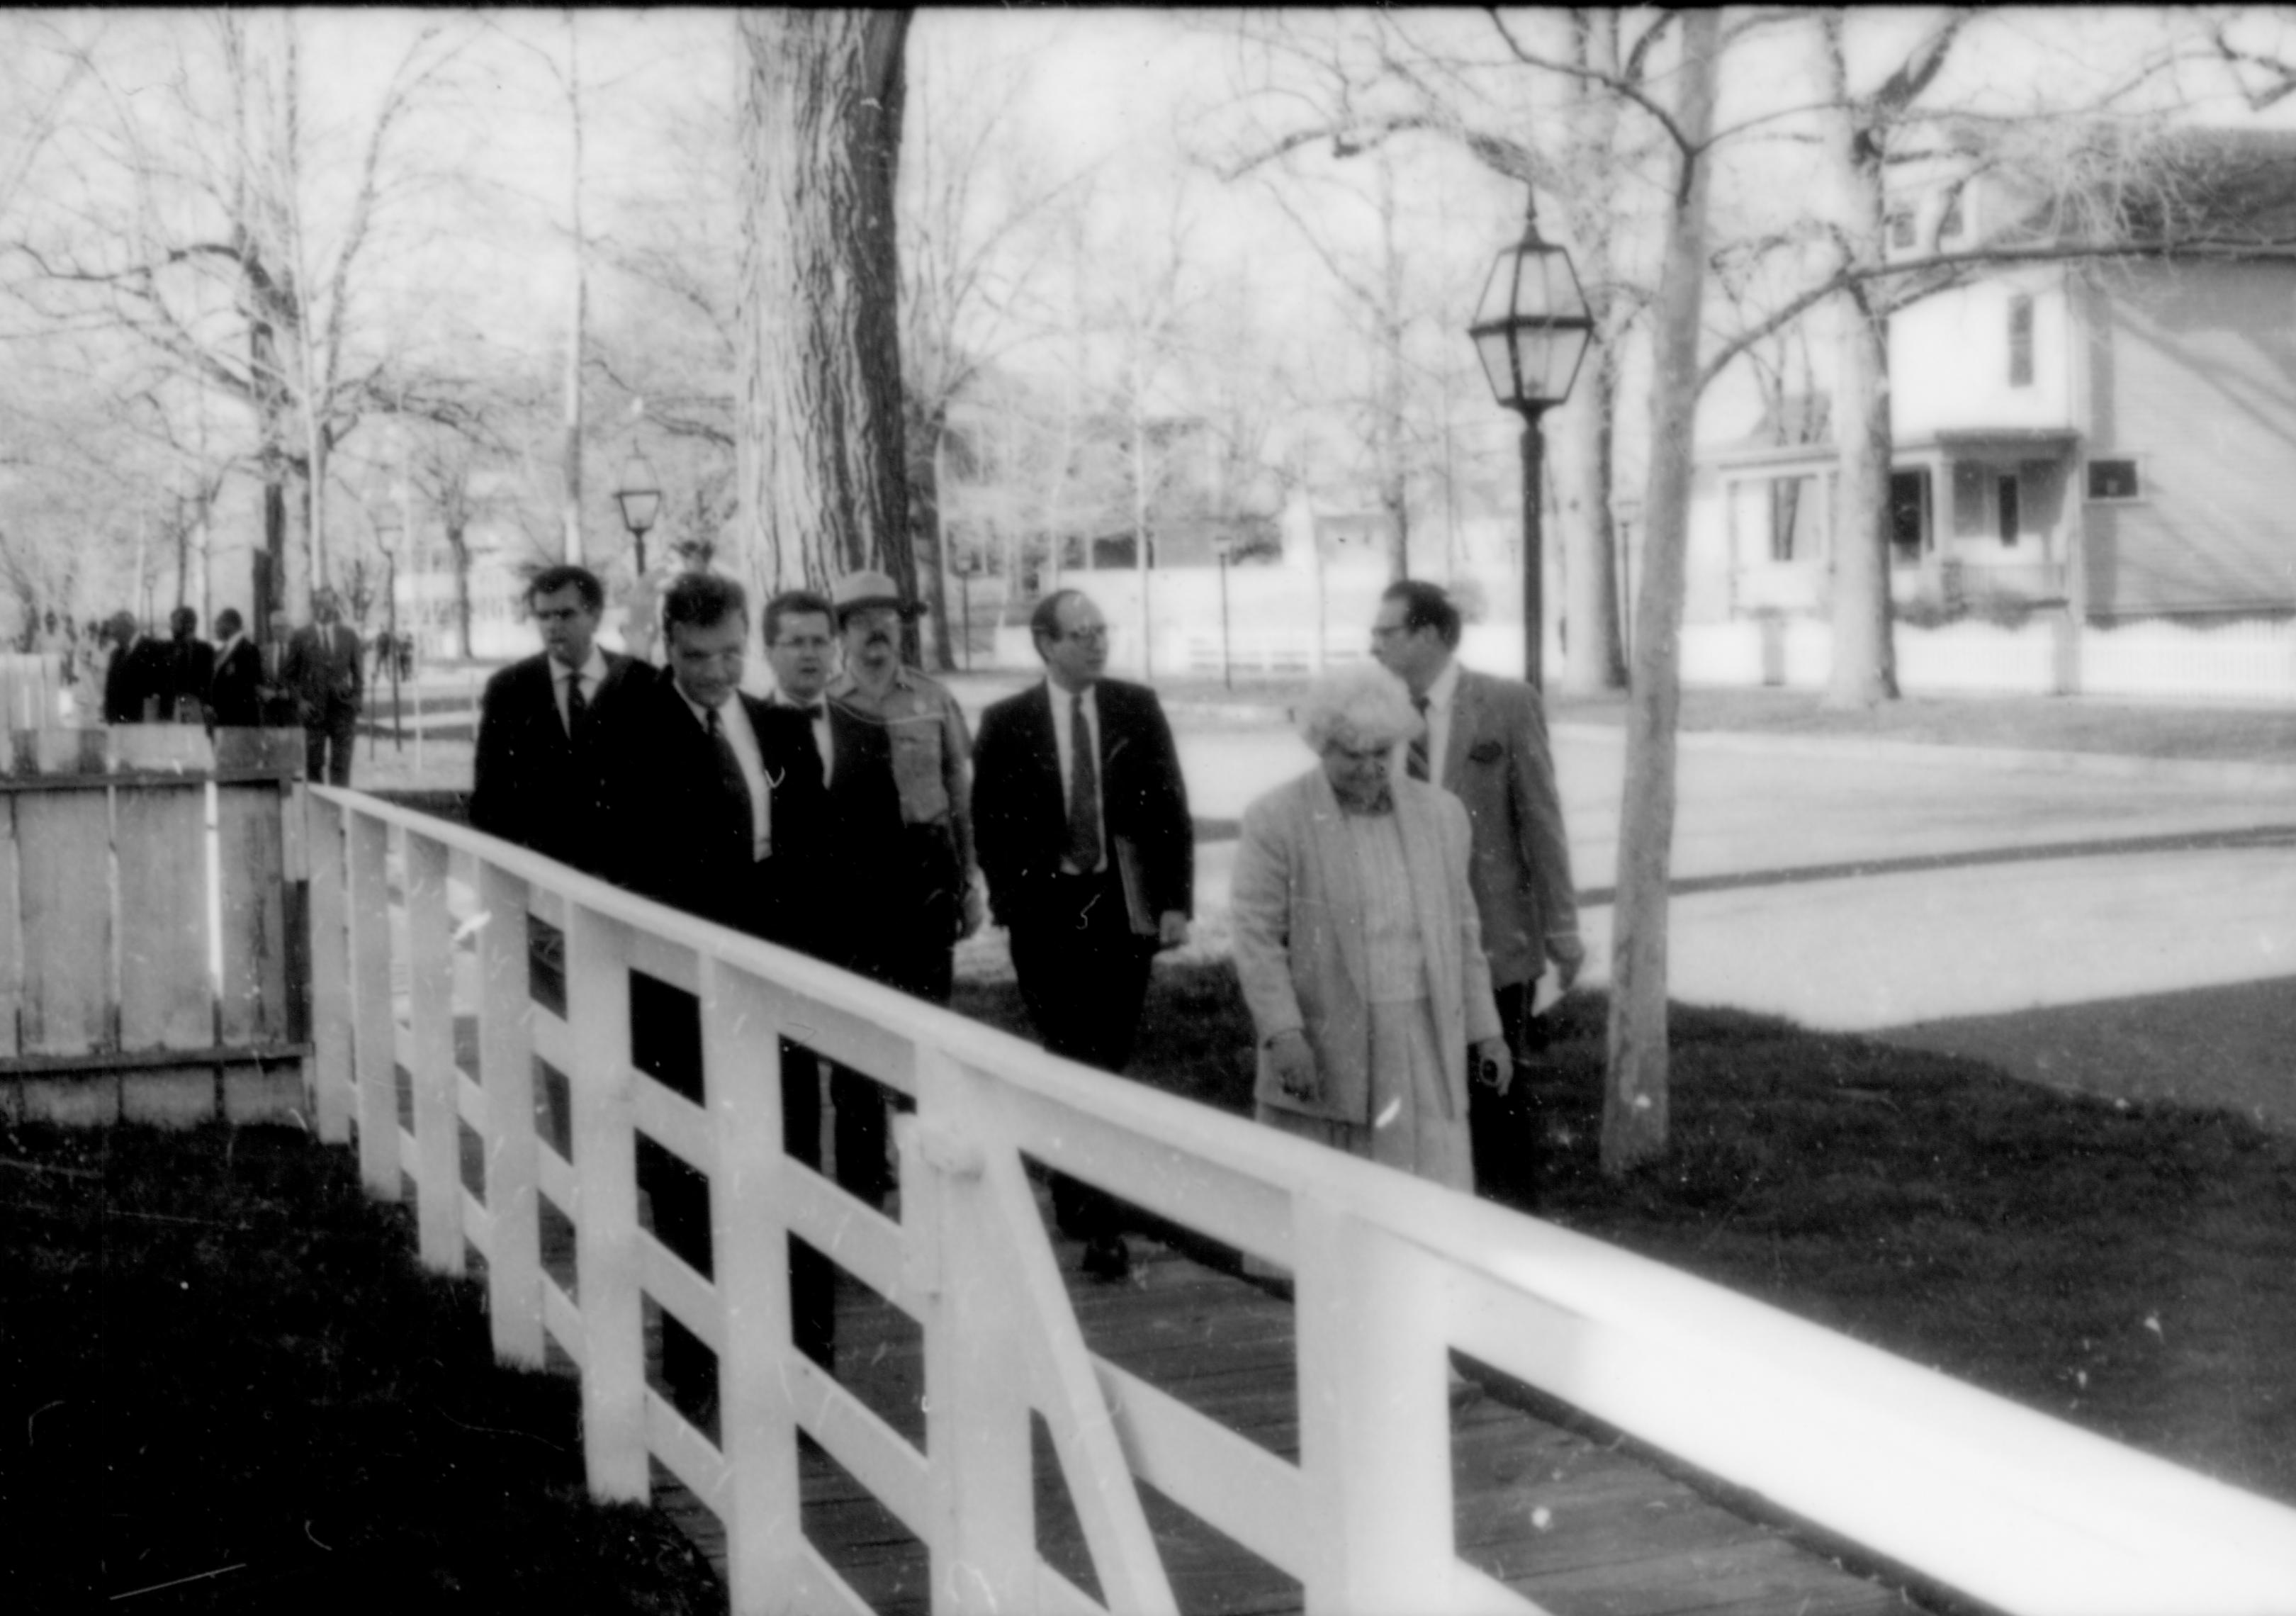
pixel 1484 751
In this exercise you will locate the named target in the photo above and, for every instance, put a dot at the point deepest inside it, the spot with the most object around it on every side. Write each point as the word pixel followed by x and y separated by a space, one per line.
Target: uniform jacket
pixel 1020 812
pixel 534 784
pixel 681 838
pixel 1498 765
pixel 1298 909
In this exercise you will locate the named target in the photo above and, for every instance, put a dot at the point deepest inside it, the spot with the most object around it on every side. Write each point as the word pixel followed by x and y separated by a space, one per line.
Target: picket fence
pixel 2005 1504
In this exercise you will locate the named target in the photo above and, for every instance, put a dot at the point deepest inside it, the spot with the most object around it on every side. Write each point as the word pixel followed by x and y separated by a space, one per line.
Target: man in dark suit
pixel 137 682
pixel 1080 819
pixel 720 793
pixel 1486 743
pixel 191 669
pixel 322 673
pixel 233 698
pixel 540 779
pixel 718 807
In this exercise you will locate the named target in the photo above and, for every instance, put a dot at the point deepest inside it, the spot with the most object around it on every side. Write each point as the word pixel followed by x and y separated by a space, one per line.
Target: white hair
pixel 1359 705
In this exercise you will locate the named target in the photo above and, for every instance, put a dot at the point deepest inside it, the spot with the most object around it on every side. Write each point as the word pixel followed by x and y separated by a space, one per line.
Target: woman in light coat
pixel 1357 945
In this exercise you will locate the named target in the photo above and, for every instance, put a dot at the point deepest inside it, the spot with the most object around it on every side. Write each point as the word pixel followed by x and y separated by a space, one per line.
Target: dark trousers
pixel 1504 1129
pixel 327 745
pixel 1083 977
pixel 860 1130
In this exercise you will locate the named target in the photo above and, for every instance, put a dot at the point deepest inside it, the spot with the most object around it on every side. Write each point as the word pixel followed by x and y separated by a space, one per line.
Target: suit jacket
pixel 322 670
pixel 191 669
pixel 1498 765
pixel 233 698
pixel 1019 814
pixel 681 837
pixel 1298 909
pixel 534 784
pixel 140 673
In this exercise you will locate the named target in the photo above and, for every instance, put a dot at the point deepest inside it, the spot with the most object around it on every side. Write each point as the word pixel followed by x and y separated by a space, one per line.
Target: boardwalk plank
pixel 1619 1537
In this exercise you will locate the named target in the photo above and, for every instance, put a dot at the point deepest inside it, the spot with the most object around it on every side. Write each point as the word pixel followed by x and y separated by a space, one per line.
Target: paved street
pixel 2035 892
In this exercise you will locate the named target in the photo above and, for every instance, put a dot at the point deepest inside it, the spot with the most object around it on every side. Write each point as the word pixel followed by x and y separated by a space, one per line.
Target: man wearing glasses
pixel 1081 822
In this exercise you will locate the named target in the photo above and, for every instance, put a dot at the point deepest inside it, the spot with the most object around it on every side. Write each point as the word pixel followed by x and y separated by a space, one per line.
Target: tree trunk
pixel 1864 663
pixel 578 323
pixel 1581 440
pixel 926 536
pixel 821 468
pixel 1580 443
pixel 1635 1094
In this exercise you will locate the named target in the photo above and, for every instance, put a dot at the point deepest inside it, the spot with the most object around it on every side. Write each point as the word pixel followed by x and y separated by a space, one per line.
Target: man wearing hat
pixel 928 891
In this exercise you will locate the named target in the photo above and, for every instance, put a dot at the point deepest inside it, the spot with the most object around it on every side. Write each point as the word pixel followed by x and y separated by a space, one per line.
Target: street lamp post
pixel 1530 332
pixel 965 567
pixel 639 493
pixel 1221 552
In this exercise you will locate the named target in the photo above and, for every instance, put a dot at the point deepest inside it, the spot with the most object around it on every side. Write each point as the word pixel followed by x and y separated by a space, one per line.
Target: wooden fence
pixel 665 1032
pixel 148 925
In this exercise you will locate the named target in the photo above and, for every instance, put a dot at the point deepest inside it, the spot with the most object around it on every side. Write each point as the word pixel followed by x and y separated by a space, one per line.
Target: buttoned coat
pixel 1500 768
pixel 534 784
pixel 234 694
pixel 1019 814
pixel 323 671
pixel 682 838
pixel 1300 953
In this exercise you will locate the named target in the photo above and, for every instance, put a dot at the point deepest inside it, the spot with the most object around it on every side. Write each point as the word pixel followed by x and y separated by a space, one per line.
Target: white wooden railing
pixel 2002 1503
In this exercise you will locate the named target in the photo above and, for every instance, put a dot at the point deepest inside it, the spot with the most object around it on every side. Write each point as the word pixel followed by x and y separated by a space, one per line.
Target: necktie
pixel 1415 764
pixel 578 708
pixel 814 712
pixel 729 774
pixel 1084 793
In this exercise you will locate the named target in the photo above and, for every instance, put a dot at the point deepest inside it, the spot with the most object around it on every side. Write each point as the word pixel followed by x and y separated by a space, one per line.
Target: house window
pixel 1900 224
pixel 2020 341
pixel 2111 479
pixel 1950 226
pixel 1909 516
pixel 2005 505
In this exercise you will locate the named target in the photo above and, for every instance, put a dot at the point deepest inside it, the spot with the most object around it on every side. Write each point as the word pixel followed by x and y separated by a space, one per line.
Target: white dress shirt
pixel 733 718
pixel 822 743
pixel 1064 703
pixel 1440 694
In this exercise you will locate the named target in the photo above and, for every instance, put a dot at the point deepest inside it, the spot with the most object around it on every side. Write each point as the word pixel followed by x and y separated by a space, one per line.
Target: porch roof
pixel 1991 437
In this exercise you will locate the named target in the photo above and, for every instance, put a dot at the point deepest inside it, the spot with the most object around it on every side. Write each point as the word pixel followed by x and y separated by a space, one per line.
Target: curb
pixel 2115 765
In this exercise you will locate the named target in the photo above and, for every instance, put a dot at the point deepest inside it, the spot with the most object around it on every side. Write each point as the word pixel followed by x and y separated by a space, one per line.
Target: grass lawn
pixel 2131 1269
pixel 227 1387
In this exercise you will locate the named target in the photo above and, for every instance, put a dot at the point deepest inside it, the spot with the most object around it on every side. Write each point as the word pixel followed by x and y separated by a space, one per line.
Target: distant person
pixel 541 774
pixel 321 673
pixel 1081 819
pixel 234 698
pixel 1358 946
pixel 1486 743
pixel 139 677
pixel 191 669
pixel 278 701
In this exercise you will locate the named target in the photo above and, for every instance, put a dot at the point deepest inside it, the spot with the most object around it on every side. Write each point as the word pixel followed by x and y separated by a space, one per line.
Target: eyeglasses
pixel 1088 636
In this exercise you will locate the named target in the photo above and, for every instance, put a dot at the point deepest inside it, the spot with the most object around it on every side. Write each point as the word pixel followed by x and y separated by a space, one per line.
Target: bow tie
pixel 812 710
